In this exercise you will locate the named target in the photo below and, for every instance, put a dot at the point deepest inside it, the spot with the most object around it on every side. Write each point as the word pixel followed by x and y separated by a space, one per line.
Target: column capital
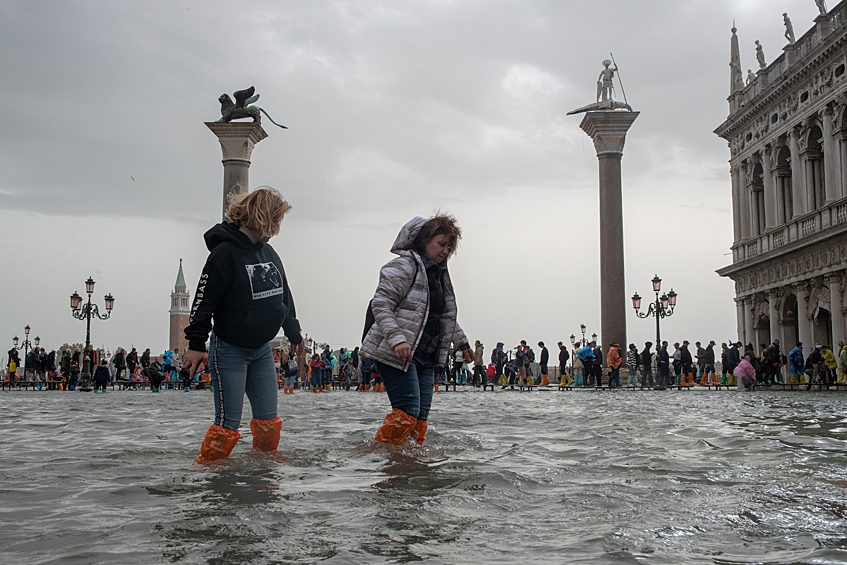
pixel 237 139
pixel 608 130
pixel 802 289
pixel 832 278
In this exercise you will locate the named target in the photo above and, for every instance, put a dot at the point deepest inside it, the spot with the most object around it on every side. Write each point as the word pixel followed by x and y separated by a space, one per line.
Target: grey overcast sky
pixel 395 109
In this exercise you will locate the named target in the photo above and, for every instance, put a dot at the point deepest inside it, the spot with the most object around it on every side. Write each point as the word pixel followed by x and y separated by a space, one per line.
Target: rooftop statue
pixel 789 29
pixel 241 108
pixel 751 76
pixel 760 55
pixel 605 87
pixel 821 4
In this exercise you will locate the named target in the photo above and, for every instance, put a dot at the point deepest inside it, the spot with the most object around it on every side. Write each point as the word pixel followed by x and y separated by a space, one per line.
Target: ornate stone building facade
pixel 180 312
pixel 787 135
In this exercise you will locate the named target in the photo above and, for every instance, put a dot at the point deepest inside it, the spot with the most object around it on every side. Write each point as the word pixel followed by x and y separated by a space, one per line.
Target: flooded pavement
pixel 504 477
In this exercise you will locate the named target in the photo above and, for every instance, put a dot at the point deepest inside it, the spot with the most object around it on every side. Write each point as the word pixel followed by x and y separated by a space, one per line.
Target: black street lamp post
pixel 26 346
pixel 661 308
pixel 85 312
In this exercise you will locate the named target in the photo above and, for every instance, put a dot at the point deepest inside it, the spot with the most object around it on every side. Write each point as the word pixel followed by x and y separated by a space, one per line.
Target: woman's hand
pixel 194 360
pixel 469 356
pixel 403 352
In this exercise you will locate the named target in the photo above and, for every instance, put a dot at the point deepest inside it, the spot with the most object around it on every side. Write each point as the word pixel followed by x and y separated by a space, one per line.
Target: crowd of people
pixel 350 370
pixel 62 370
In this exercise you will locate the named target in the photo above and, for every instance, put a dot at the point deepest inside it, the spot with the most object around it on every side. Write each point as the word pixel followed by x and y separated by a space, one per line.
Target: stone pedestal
pixel 822 26
pixel 608 131
pixel 237 141
pixel 790 54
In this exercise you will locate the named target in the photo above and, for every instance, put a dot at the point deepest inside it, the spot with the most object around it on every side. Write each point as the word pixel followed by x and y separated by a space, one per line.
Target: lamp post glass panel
pixel 661 308
pixel 26 346
pixel 85 312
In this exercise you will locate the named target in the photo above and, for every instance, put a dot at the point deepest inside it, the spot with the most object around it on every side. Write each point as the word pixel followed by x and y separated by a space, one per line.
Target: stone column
pixel 830 157
pixel 842 165
pixel 798 178
pixel 770 191
pixel 237 141
pixel 735 172
pixel 739 319
pixel 749 321
pixel 804 329
pixel 744 195
pixel 836 302
pixel 773 314
pixel 608 132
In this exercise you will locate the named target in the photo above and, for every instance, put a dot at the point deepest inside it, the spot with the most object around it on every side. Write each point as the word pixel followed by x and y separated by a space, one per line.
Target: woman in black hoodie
pixel 242 299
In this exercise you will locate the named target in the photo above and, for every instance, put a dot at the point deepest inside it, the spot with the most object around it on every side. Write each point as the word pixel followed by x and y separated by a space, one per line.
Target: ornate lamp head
pixel 672 298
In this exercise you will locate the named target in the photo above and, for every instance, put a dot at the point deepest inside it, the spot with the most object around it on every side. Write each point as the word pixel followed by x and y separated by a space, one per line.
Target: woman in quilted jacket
pixel 414 312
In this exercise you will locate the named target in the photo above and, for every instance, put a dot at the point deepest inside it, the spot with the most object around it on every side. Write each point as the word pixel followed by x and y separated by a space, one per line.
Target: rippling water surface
pixel 505 477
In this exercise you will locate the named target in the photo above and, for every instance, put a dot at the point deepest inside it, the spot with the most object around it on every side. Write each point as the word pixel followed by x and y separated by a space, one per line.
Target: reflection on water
pixel 594 477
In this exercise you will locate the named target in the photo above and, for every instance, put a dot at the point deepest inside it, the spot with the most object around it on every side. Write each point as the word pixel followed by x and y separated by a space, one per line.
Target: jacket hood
pixel 407 235
pixel 500 345
pixel 227 232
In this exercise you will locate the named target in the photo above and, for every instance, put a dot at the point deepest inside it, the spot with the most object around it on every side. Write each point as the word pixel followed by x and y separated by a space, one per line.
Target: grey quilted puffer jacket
pixel 401 303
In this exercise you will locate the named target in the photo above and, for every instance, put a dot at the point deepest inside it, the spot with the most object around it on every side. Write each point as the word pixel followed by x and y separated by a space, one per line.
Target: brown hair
pixel 261 210
pixel 439 224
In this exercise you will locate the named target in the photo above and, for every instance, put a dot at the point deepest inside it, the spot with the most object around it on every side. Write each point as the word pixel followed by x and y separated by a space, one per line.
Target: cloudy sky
pixel 395 109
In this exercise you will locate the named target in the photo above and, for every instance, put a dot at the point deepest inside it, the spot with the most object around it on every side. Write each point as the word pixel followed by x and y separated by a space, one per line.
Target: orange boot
pixel 396 427
pixel 545 381
pixel 419 433
pixel 436 388
pixel 705 380
pixel 265 433
pixel 715 380
pixel 217 444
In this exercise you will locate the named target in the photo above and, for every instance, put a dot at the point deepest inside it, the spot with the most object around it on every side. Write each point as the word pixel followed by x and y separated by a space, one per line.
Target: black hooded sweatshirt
pixel 243 286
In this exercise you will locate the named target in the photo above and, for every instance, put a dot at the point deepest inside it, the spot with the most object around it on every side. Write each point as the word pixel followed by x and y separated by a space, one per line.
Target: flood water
pixel 504 477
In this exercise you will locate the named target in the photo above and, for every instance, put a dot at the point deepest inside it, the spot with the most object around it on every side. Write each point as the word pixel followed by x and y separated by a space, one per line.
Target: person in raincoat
pixel 797 363
pixel 831 363
pixel 586 355
pixel 746 373
pixel 415 322
pixel 613 360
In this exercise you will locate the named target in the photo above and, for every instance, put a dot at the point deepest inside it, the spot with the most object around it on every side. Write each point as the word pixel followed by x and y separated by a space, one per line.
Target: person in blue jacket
pixel 586 355
pixel 798 365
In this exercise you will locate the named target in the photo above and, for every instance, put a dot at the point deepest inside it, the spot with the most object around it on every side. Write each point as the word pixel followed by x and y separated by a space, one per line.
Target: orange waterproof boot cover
pixel 265 433
pixel 419 433
pixel 545 381
pixel 217 444
pixel 705 380
pixel 396 427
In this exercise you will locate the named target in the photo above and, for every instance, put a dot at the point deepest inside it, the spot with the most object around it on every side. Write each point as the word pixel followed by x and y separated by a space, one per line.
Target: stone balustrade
pixel 797 229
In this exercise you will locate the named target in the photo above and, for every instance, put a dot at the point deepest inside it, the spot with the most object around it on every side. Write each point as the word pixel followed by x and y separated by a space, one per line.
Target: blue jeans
pixel 317 377
pixel 410 390
pixel 236 370
pixel 289 381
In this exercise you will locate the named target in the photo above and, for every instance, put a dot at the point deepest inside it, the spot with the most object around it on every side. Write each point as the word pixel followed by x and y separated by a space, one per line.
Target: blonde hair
pixel 261 210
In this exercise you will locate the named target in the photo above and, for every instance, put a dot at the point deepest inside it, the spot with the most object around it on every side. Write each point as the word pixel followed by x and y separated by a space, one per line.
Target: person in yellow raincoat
pixel 831 366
